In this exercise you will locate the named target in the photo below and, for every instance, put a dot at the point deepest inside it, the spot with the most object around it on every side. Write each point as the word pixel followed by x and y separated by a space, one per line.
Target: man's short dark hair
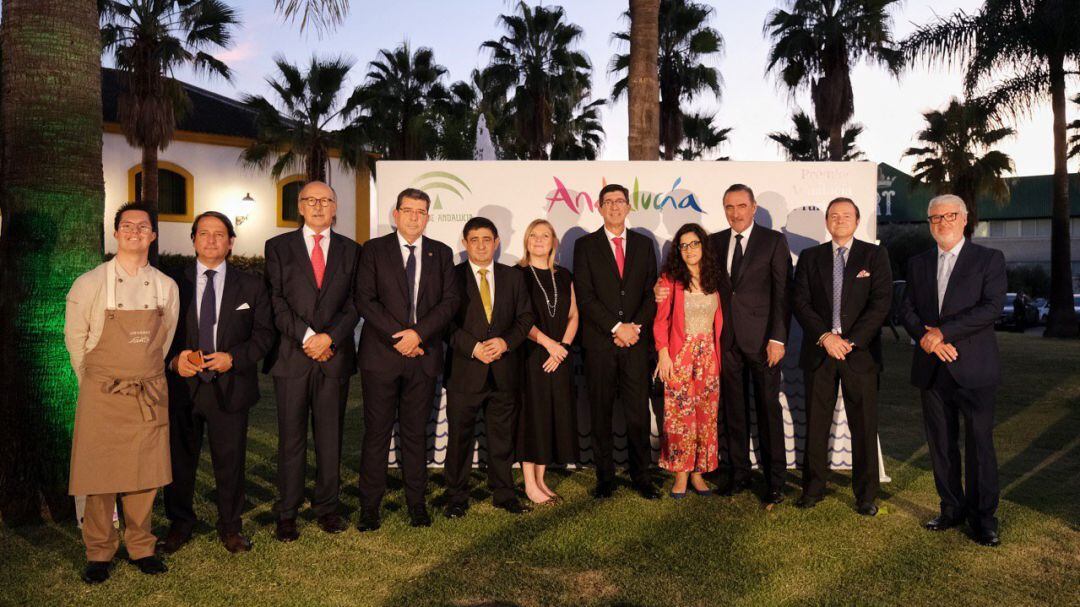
pixel 415 194
pixel 479 223
pixel 842 199
pixel 740 187
pixel 221 216
pixel 613 187
pixel 135 206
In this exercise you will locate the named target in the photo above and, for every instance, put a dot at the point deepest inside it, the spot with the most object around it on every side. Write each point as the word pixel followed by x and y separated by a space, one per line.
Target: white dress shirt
pixel 200 288
pixel 403 247
pixel 309 244
pixel 731 245
pixel 943 273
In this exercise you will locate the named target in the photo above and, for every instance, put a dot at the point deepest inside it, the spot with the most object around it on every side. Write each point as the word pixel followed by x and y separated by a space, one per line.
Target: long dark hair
pixel 675 268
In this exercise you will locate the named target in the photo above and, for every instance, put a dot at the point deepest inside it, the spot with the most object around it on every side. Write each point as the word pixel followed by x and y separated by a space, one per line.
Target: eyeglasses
pixel 690 246
pixel 947 217
pixel 311 201
pixel 420 213
pixel 131 228
pixel 615 201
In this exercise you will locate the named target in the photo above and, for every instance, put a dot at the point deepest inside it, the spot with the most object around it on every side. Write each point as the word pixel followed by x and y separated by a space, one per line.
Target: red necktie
pixel 318 261
pixel 620 257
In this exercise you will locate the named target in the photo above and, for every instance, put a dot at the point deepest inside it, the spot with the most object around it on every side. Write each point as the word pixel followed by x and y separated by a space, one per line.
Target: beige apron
pixel 121 440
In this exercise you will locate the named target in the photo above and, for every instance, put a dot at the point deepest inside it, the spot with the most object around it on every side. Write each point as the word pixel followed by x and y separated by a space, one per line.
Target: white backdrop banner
pixel 791 198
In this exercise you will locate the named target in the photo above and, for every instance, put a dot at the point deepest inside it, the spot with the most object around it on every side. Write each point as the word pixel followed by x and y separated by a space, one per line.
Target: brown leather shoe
pixel 235 542
pixel 332 523
pixel 286 530
pixel 176 538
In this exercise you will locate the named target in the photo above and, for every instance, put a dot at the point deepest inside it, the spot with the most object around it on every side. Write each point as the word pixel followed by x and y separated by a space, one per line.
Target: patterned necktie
pixel 485 293
pixel 736 258
pixel 410 277
pixel 207 321
pixel 837 288
pixel 620 256
pixel 318 261
pixel 944 270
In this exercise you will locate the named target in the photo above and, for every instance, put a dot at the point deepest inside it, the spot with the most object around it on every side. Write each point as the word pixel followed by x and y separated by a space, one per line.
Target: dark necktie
pixel 837 288
pixel 736 259
pixel 410 278
pixel 207 320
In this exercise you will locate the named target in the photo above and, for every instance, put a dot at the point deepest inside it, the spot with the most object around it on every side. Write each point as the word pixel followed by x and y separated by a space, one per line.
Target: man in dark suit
pixel 312 275
pixel 954 295
pixel 225 316
pixel 614 268
pixel 755 272
pixel 843 290
pixel 407 292
pixel 491 323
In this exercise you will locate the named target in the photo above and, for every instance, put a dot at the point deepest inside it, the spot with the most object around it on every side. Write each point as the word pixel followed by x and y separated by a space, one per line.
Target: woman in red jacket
pixel 687 336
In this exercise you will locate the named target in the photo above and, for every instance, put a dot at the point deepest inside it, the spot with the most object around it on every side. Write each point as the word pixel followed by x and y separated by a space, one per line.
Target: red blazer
pixel 669 328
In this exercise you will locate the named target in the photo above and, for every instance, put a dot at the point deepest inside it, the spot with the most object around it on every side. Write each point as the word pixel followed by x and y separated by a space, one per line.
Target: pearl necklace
pixel 551 307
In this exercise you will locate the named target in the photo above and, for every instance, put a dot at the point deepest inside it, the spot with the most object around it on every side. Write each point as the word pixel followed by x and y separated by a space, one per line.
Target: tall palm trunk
pixel 836 142
pixel 52 195
pixel 643 81
pixel 149 193
pixel 1062 320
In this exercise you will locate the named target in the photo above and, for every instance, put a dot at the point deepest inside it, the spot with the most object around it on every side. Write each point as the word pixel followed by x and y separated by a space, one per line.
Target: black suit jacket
pixel 382 297
pixel 299 304
pixel 511 319
pixel 864 302
pixel 604 298
pixel 758 308
pixel 247 334
pixel 973 301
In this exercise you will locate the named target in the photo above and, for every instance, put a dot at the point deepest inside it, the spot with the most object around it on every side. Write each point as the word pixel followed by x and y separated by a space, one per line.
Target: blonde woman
pixel 547 426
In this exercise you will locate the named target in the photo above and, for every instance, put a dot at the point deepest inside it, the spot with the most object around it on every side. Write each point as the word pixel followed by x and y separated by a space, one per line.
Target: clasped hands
pixel 557 353
pixel 219 362
pixel 490 350
pixel 317 347
pixel 408 343
pixel 933 342
pixel 627 334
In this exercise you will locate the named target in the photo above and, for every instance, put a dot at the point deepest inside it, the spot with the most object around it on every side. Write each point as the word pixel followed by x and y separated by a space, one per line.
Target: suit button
pixel 622 292
pixel 620 314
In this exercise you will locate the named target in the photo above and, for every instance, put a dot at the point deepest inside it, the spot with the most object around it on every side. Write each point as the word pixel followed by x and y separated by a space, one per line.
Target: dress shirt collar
pixel 611 235
pixel 846 245
pixel 308 232
pixel 476 269
pixel 745 233
pixel 201 269
pixel 404 243
pixel 955 250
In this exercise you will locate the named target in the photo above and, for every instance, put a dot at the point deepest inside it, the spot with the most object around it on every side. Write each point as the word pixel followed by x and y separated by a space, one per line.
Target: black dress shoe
pixel 808 501
pixel 369 521
pixel 176 538
pixel 870 509
pixel 774 497
pixel 235 542
pixel 734 488
pixel 604 489
pixel 512 506
pixel 987 537
pixel 647 491
pixel 941 523
pixel 286 530
pixel 332 523
pixel 418 516
pixel 96 572
pixel 456 510
pixel 150 565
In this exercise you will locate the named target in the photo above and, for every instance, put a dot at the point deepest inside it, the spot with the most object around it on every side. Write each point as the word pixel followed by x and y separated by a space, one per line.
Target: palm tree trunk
pixel 1062 319
pixel 53 197
pixel 150 191
pixel 836 142
pixel 643 82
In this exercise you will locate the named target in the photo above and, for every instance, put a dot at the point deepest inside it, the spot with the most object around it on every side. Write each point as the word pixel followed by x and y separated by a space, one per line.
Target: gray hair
pixel 945 199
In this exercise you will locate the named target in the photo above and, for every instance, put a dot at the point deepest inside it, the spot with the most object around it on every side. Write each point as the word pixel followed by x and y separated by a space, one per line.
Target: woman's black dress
pixel 547 426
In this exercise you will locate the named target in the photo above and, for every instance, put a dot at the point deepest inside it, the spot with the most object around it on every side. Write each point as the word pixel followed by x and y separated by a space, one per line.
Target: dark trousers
pixel 621 373
pixel 500 412
pixel 943 404
pixel 409 399
pixel 322 399
pixel 227 432
pixel 860 390
pixel 737 368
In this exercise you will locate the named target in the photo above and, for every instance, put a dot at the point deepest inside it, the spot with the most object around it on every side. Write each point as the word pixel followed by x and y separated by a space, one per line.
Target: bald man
pixel 312 274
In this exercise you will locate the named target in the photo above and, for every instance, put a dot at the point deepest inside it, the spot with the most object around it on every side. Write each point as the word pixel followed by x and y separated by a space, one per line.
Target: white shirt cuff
pixel 307 335
pixel 776 341
pixel 615 328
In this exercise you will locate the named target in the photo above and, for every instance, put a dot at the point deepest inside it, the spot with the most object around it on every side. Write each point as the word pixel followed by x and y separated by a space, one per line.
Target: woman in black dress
pixel 547 428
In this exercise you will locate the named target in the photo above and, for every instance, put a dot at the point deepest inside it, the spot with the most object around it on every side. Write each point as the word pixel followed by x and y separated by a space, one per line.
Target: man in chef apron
pixel 119 322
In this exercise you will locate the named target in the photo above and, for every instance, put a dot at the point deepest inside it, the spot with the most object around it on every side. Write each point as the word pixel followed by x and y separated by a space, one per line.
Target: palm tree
pixel 325 14
pixel 51 197
pixel 298 137
pixel 643 86
pixel 700 136
pixel 400 94
pixel 149 39
pixel 815 45
pixel 957 156
pixel 581 134
pixel 1074 140
pixel 810 143
pixel 685 42
pixel 535 67
pixel 1037 43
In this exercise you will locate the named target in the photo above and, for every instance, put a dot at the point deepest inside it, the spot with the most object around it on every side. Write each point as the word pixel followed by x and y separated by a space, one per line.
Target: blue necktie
pixel 207 320
pixel 410 277
pixel 837 288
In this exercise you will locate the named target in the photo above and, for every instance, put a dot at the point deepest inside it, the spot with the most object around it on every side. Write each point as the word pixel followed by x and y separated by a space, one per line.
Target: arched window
pixel 288 192
pixel 176 191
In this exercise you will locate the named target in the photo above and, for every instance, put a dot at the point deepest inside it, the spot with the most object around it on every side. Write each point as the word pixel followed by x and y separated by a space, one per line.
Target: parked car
pixel 1042 304
pixel 1008 319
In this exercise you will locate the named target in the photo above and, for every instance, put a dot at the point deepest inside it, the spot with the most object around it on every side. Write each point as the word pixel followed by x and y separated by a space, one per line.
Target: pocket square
pixel 243 306
pixel 863 274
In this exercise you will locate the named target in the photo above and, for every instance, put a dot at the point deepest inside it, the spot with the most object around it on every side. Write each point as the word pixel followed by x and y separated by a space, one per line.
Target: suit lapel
pixel 825 266
pixel 192 316
pixel 723 241
pixel 299 250
pixel 960 267
pixel 607 253
pixel 333 259
pixel 397 266
pixel 427 267
pixel 749 251
pixel 228 303
pixel 856 260
pixel 631 253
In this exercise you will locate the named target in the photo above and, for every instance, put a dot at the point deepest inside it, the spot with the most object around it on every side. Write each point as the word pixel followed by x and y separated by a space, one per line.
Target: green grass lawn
pixel 625 551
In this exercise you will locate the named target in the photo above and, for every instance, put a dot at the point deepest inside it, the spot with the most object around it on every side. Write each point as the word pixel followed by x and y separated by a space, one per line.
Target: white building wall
pixel 220 182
